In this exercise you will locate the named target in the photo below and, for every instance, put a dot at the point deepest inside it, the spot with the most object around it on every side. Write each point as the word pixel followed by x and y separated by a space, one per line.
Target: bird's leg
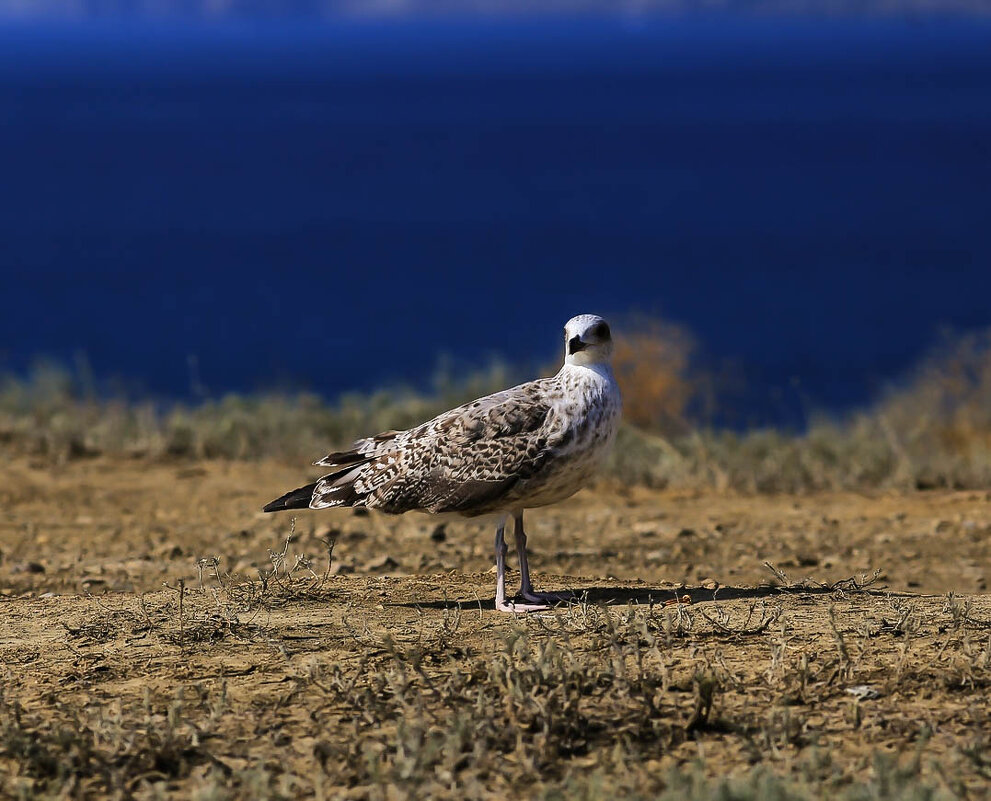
pixel 519 535
pixel 526 588
pixel 501 604
pixel 500 557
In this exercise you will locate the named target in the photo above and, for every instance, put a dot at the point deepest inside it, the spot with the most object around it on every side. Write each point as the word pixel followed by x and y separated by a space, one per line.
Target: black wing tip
pixel 298 498
pixel 341 459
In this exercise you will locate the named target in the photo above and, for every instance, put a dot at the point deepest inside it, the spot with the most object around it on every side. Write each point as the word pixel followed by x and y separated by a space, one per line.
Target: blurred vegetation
pixel 931 430
pixel 54 414
pixel 651 362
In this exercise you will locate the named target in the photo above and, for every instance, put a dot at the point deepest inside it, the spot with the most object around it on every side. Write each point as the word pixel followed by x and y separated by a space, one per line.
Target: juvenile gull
pixel 531 445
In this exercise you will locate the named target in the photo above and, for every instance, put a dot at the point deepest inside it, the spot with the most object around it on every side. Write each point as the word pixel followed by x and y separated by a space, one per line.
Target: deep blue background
pixel 333 205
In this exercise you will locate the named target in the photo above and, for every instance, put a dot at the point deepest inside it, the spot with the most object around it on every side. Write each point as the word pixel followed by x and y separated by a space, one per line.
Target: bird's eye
pixel 600 331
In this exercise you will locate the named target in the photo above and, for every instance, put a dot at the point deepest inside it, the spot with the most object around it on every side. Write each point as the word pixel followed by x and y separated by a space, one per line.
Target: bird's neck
pixel 602 370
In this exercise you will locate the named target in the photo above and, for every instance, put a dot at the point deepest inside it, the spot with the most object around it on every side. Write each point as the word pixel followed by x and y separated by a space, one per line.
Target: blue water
pixel 333 205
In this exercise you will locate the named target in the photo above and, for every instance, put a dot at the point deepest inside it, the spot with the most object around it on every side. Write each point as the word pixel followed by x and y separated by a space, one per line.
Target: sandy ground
pixel 127 527
pixel 135 620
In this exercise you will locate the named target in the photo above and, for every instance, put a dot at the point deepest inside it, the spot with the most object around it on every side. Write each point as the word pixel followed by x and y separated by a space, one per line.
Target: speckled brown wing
pixel 465 460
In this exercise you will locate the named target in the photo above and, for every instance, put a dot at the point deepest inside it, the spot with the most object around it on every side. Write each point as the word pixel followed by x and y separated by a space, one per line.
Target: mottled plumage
pixel 531 445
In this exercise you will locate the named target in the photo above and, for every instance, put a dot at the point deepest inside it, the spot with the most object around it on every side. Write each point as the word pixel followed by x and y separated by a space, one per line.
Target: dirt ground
pixel 160 637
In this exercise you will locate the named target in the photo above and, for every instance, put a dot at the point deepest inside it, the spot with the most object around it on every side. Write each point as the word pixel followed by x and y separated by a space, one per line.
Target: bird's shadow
pixel 646 596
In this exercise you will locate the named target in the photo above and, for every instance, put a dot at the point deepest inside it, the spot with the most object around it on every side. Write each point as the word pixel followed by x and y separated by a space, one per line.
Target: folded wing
pixel 466 460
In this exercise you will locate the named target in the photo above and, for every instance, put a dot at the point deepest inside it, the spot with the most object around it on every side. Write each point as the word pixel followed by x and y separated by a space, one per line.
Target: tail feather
pixel 364 450
pixel 294 499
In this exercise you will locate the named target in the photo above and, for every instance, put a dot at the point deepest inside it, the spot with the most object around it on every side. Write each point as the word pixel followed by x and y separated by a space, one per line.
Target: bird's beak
pixel 575 344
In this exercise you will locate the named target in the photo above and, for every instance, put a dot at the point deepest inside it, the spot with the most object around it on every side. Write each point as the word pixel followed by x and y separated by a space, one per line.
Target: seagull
pixel 529 446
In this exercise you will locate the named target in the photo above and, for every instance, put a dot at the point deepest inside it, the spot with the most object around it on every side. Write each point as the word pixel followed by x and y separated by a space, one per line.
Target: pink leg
pixel 501 604
pixel 527 592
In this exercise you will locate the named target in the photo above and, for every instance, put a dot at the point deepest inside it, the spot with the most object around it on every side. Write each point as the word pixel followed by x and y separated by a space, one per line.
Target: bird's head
pixel 587 340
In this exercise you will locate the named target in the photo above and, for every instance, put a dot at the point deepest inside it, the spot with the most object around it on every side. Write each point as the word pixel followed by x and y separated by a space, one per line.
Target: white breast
pixel 589 411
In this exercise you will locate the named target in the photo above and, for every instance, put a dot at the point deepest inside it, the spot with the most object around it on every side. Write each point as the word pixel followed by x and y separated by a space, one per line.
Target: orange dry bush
pixel 651 365
pixel 946 403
